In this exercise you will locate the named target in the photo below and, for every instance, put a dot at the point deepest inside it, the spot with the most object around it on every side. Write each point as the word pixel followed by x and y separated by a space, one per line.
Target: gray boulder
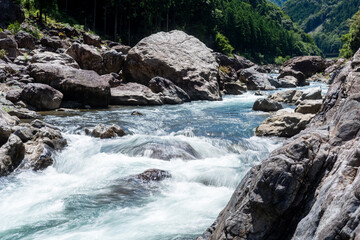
pixel 113 61
pixel 92 40
pixel 234 88
pixel 308 65
pixel 87 57
pixel 42 96
pixel 80 85
pixel 134 94
pixel 255 80
pixel 25 40
pixel 176 56
pixel 266 105
pixel 53 43
pixel 11 155
pixel 290 96
pixel 168 92
pixel 284 124
pixel 54 58
pixel 309 107
pixel 10 46
pixel 314 94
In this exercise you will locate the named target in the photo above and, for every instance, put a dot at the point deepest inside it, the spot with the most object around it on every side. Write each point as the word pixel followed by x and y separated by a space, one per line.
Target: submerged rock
pixel 266 105
pixel 153 175
pixel 178 57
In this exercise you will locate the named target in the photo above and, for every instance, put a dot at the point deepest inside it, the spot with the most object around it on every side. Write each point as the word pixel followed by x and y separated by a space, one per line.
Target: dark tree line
pixel 254 28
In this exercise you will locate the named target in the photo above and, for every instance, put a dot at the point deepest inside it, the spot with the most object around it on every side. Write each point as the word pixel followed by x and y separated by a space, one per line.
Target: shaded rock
pixel 234 88
pixel 42 96
pixel 289 82
pixel 53 43
pixel 290 75
pixel 10 46
pixel 69 31
pixel 84 86
pixel 153 175
pixel 13 95
pixel 266 105
pixel 121 49
pixel 11 12
pixel 134 94
pixel 41 124
pixel 255 80
pixel 290 96
pixel 308 65
pixel 6 122
pixel 136 113
pixel 23 113
pixel 54 58
pixel 335 66
pixel 284 124
pixel 236 62
pixel 92 40
pixel 25 133
pixel 101 131
pixel 309 107
pixel 25 40
pixel 113 61
pixel 87 57
pixel 11 155
pixel 176 56
pixel 168 92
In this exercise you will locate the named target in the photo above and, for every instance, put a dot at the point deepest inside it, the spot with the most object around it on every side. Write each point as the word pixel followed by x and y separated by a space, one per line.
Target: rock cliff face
pixel 310 187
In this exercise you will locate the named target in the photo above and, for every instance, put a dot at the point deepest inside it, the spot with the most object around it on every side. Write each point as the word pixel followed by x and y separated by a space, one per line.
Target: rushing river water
pixel 88 194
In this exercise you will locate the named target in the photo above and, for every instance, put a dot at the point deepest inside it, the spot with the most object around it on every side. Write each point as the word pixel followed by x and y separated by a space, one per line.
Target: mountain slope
pixel 325 20
pixel 278 2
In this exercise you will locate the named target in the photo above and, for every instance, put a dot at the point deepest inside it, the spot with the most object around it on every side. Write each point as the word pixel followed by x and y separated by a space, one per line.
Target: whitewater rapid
pixel 89 193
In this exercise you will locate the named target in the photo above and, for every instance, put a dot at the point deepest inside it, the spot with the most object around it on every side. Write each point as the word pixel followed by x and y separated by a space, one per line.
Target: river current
pixel 89 193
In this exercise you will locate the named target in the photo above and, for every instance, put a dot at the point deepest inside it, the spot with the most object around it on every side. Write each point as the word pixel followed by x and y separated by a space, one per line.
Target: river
pixel 89 193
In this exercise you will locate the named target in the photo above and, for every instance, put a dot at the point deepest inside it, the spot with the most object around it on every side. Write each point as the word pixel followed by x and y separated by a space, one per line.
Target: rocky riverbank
pixel 307 189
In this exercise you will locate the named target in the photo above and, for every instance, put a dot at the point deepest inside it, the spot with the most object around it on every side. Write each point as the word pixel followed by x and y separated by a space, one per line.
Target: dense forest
pixel 256 29
pixel 278 2
pixel 325 20
pixel 352 39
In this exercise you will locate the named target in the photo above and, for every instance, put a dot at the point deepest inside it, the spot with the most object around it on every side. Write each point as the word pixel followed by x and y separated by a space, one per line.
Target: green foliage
pixel 281 60
pixel 224 69
pixel 352 39
pixel 224 45
pixel 325 20
pixel 3 53
pixel 1 30
pixel 14 28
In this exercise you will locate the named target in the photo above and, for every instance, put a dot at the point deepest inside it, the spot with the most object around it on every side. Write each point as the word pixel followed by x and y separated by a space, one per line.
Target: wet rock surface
pixel 102 131
pixel 266 105
pixel 306 189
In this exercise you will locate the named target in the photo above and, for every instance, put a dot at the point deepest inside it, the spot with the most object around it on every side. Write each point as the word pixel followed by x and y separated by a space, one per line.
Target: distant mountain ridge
pixel 325 20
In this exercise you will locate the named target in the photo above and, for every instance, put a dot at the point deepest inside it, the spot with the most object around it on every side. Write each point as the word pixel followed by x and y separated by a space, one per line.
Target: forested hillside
pixel 326 20
pixel 278 2
pixel 254 28
pixel 352 39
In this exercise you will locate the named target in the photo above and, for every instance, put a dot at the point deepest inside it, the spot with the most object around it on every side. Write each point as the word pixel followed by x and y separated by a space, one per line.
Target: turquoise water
pixel 89 193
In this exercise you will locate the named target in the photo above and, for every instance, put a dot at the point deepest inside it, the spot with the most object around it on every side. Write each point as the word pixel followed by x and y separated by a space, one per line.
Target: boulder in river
pixel 313 94
pixel 308 65
pixel 289 96
pixel 11 155
pixel 178 57
pixel 284 124
pixel 309 106
pixel 153 175
pixel 255 80
pixel 102 131
pixel 168 92
pixel 266 105
pixel 134 94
